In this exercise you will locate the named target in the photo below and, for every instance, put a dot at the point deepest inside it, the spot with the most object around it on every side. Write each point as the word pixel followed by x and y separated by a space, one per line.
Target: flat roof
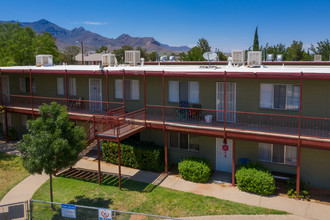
pixel 322 72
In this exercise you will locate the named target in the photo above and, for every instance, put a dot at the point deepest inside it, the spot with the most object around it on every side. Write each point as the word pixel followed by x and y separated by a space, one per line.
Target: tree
pixel 120 53
pixel 152 56
pixel 143 53
pixel 70 53
pixel 194 54
pixel 204 45
pixel 256 40
pixel 277 49
pixel 102 49
pixel 19 46
pixel 295 52
pixel 322 48
pixel 52 142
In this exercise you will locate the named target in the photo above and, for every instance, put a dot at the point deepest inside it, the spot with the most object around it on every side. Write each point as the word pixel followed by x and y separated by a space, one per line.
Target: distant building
pixel 90 58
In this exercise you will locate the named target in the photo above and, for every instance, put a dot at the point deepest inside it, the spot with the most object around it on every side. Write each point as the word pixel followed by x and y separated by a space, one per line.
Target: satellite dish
pixel 210 56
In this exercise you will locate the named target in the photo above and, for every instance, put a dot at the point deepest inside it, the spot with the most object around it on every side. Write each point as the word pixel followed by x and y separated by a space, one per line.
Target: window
pixel 24 85
pixel 72 87
pixel 132 91
pixel 279 96
pixel 60 86
pixel 277 153
pixel 184 141
pixel 183 91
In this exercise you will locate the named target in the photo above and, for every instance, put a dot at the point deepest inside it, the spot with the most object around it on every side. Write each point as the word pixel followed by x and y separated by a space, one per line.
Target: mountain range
pixel 93 41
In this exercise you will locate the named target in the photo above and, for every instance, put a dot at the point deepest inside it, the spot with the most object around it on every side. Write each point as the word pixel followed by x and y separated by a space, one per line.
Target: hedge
pixel 255 181
pixel 139 155
pixel 195 169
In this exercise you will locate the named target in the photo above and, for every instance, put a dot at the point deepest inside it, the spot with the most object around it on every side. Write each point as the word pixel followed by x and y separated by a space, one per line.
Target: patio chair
pixel 183 114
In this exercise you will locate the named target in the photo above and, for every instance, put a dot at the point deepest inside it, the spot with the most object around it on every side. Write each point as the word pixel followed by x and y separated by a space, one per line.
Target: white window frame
pixel 134 94
pixel 177 87
pixel 273 98
pixel 60 86
pixel 271 155
pixel 72 87
pixel 179 147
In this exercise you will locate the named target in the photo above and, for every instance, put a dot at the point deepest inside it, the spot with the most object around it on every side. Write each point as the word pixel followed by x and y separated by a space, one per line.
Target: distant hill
pixel 93 41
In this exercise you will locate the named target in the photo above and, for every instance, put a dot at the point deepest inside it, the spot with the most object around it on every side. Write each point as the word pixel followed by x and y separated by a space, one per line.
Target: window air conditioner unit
pixel 317 58
pixel 44 60
pixel 254 58
pixel 109 60
pixel 238 57
pixel 132 57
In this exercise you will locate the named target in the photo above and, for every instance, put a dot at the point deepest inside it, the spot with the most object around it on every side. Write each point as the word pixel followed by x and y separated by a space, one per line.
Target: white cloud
pixel 95 23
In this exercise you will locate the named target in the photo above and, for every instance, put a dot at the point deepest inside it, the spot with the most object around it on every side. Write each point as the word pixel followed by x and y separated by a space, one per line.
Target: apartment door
pixel 230 101
pixel 224 156
pixel 95 94
pixel 5 89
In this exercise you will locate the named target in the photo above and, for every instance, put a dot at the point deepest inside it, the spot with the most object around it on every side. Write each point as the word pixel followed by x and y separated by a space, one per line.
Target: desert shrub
pixel 291 189
pixel 139 155
pixel 255 181
pixel 195 169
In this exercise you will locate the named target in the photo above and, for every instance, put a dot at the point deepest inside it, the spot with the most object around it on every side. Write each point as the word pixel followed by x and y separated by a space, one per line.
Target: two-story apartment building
pixel 277 115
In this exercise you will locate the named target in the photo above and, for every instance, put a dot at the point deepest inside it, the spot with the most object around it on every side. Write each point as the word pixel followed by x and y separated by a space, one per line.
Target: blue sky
pixel 226 25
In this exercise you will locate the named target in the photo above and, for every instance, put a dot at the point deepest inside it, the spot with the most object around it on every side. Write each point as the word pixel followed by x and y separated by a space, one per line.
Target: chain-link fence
pixel 47 210
pixel 18 211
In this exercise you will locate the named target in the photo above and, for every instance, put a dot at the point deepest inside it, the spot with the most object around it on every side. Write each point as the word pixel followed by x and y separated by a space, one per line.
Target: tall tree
pixel 256 40
pixel 322 48
pixel 295 52
pixel 204 45
pixel 70 53
pixel 19 46
pixel 194 54
pixel 53 142
pixel 101 49
pixel 143 52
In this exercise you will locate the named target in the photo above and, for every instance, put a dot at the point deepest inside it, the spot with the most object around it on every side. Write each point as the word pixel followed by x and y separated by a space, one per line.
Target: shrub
pixel 13 134
pixel 255 181
pixel 139 155
pixel 195 169
pixel 291 189
pixel 256 165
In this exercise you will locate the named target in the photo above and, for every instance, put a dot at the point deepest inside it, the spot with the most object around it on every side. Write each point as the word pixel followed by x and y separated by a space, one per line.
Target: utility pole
pixel 82 52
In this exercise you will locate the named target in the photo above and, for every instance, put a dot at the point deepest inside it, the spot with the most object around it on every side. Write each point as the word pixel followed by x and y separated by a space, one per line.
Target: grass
pixel 136 197
pixel 11 172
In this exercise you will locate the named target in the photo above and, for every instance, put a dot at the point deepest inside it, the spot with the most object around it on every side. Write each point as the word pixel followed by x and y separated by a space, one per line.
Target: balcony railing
pixel 74 105
pixel 247 121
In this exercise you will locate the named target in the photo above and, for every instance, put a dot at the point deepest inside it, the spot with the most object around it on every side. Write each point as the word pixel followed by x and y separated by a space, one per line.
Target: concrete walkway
pixel 302 209
pixel 25 189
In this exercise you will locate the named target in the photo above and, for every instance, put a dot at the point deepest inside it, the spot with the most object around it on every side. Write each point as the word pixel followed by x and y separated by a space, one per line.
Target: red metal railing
pixel 74 105
pixel 250 121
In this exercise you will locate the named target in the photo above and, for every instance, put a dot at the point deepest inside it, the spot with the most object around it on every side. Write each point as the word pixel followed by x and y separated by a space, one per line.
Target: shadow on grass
pixel 108 180
pixel 7 157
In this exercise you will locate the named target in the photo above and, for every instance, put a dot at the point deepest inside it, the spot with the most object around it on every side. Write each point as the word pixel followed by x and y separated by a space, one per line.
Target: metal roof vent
pixel 254 58
pixel 109 60
pixel 238 57
pixel 270 57
pixel 132 57
pixel 279 57
pixel 44 60
pixel 317 58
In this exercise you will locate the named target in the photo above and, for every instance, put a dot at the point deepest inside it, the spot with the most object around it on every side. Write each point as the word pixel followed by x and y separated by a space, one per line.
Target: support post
pixel 124 89
pixel 166 148
pixel 233 164
pixel 107 79
pixel 145 98
pixel 82 53
pixel 66 89
pixel 224 107
pixel 6 124
pixel 99 160
pixel 94 130
pixel 119 168
pixel 1 89
pixel 299 141
pixel 163 100
pixel 31 94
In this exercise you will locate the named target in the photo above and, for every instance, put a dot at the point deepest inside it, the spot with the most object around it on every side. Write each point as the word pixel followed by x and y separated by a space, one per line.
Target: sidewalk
pixel 298 208
pixel 24 190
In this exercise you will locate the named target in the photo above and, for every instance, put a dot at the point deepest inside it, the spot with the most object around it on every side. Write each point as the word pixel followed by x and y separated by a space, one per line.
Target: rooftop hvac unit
pixel 270 57
pixel 132 57
pixel 317 58
pixel 109 60
pixel 238 57
pixel 44 60
pixel 254 58
pixel 279 57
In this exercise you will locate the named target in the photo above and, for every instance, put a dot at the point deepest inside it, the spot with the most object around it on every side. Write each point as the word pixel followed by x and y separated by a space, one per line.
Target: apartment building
pixel 278 115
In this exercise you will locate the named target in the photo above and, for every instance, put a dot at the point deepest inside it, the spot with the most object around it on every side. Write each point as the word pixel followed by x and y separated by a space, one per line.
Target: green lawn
pixel 11 172
pixel 136 197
